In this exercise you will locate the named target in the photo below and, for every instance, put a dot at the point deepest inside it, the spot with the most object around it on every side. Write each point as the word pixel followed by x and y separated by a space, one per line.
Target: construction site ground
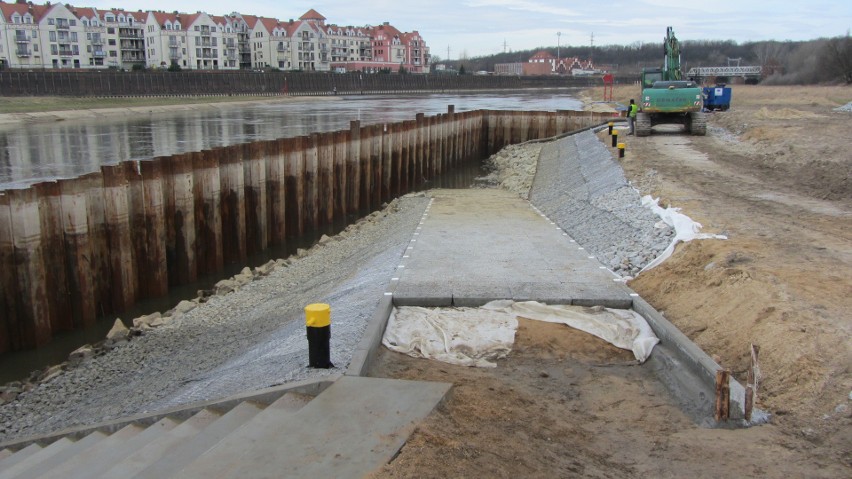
pixel 774 174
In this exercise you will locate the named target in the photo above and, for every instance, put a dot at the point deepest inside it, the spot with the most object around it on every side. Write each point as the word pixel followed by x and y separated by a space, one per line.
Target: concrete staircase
pixel 352 427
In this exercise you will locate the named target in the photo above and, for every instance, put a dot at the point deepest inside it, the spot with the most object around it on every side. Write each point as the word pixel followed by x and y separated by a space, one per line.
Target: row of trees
pixel 823 60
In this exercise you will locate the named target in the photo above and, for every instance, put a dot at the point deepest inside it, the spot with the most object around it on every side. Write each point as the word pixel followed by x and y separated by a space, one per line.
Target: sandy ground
pixel 774 175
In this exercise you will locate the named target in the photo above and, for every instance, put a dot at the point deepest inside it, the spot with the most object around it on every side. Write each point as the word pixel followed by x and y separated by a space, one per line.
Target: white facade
pixel 57 36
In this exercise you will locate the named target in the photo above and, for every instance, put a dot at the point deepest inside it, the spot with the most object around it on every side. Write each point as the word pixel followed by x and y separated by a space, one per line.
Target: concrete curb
pixel 688 354
pixel 365 352
pixel 310 387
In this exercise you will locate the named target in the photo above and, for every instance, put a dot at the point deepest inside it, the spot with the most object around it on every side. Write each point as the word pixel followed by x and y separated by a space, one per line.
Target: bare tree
pixel 837 57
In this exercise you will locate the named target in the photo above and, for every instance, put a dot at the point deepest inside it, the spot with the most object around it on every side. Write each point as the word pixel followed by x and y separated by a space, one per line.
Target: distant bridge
pixel 729 71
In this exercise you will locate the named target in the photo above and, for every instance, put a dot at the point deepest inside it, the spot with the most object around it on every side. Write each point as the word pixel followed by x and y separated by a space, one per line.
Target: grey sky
pixel 481 27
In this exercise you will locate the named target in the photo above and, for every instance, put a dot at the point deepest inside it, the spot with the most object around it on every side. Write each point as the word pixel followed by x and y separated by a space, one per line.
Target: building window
pixel 52 36
pixel 73 23
pixel 197 28
pixel 111 42
pixel 35 47
pixel 51 21
pixel 54 50
pixel 111 30
pixel 113 53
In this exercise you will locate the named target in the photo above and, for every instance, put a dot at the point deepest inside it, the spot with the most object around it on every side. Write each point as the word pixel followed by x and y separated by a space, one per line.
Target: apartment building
pixel 56 36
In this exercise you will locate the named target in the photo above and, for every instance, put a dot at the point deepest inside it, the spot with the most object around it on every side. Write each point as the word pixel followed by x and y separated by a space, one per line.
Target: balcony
pixel 62 26
pixel 22 39
pixel 133 34
pixel 23 52
pixel 231 56
pixel 65 53
pixel 175 56
pixel 282 48
pixel 99 53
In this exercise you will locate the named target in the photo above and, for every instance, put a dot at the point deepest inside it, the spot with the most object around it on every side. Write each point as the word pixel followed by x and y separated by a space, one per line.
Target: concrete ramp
pixel 475 246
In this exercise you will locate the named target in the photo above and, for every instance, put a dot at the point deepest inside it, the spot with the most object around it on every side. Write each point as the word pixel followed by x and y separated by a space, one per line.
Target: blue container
pixel 717 97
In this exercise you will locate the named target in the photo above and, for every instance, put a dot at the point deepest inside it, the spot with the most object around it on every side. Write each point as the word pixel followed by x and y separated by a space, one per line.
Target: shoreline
pixel 75 114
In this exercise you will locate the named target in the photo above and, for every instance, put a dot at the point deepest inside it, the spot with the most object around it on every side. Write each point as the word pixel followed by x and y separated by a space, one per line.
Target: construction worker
pixel 631 114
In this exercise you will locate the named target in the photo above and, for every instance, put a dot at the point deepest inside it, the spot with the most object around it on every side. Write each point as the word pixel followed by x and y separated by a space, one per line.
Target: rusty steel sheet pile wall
pixel 76 249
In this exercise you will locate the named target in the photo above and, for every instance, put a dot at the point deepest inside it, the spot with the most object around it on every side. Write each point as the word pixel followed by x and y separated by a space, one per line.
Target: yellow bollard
pixel 609 125
pixel 318 324
pixel 621 150
pixel 614 138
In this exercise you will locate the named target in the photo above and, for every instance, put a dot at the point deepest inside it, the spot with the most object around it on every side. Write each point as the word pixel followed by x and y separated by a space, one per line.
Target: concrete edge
pixel 310 387
pixel 690 355
pixel 365 352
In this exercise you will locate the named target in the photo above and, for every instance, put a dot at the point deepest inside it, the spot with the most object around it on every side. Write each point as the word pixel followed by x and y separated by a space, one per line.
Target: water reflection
pixel 29 153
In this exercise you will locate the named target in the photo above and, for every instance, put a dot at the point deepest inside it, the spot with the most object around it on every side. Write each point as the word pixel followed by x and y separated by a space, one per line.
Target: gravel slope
pixel 248 339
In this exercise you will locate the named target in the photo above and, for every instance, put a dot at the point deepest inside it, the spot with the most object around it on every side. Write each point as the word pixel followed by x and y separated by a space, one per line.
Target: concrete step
pixel 71 450
pixel 42 455
pixel 19 456
pixel 103 455
pixel 349 430
pixel 186 452
pixel 154 451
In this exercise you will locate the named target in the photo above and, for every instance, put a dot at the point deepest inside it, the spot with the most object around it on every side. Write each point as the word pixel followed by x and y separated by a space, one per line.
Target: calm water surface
pixel 66 149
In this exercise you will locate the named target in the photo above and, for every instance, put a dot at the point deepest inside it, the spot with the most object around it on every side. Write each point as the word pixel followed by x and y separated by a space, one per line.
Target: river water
pixel 65 149
pixel 31 153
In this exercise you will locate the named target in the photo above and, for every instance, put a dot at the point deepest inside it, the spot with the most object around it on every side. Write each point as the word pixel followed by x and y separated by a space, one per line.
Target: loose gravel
pixel 251 338
pixel 254 336
pixel 577 183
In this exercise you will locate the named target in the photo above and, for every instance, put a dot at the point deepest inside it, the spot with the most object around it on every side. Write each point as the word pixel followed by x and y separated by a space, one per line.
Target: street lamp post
pixel 558 35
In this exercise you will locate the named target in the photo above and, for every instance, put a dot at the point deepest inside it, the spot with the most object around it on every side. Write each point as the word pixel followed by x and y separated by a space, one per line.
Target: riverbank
pixel 16 110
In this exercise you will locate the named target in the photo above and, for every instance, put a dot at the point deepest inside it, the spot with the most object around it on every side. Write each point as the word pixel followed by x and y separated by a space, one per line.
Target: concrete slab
pixel 138 460
pixel 19 456
pixel 349 430
pixel 478 245
pixel 183 454
pixel 100 457
pixel 36 470
pixel 43 454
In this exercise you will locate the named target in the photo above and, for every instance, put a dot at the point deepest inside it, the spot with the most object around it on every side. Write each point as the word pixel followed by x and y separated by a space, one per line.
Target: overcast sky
pixel 484 27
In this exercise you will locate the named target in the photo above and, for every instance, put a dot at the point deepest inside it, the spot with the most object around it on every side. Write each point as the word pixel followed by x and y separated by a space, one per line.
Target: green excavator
pixel 669 99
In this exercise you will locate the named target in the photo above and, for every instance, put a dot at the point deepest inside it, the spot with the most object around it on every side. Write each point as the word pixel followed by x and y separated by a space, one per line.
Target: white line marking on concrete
pixel 566 234
pixel 414 239
pixel 635 295
pixel 388 294
pixel 573 241
pixel 601 267
pixel 591 257
pixel 401 266
pixel 406 256
pixel 394 279
pixel 581 248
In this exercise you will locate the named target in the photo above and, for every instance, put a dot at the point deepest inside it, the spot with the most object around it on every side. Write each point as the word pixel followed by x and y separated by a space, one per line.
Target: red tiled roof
pixel 543 55
pixel 312 15
pixel 250 20
pixel 37 11
pixel 270 23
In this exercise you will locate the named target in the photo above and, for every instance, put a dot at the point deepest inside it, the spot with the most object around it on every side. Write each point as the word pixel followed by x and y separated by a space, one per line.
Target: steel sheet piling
pixel 123 278
pixel 78 270
pixel 34 320
pixel 53 244
pixel 153 265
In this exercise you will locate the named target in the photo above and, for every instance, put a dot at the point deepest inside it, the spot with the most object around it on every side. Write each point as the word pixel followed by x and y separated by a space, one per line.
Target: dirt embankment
pixel 773 175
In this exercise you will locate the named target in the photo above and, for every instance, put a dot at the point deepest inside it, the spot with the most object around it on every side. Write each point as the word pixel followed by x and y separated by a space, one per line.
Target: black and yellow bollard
pixel 609 125
pixel 621 150
pixel 318 323
pixel 614 138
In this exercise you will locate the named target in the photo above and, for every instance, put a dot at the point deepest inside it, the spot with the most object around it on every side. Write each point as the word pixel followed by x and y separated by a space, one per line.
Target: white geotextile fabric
pixel 477 336
pixel 463 336
pixel 685 229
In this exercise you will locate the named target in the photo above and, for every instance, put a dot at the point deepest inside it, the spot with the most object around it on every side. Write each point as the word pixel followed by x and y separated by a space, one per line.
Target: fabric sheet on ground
pixel 479 336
